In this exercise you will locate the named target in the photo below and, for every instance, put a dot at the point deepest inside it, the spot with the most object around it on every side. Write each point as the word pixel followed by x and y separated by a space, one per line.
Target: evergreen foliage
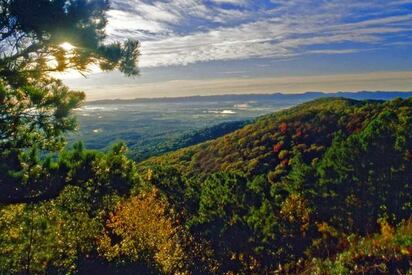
pixel 340 204
pixel 37 38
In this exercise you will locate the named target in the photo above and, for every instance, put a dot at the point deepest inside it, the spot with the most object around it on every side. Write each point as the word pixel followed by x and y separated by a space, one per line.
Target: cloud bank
pixel 181 32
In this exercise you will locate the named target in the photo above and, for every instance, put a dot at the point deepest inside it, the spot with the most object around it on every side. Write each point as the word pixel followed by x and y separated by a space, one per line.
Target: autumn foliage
pixel 145 232
pixel 323 188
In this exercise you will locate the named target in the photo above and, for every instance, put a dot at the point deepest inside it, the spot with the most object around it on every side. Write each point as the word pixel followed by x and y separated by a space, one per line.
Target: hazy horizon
pixel 248 94
pixel 382 82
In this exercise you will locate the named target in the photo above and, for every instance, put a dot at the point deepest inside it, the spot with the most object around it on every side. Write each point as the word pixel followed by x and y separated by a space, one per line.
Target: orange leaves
pixel 283 127
pixel 277 147
pixel 299 133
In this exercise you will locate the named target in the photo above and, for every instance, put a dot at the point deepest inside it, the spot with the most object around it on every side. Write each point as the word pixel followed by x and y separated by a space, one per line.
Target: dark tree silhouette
pixel 37 38
pixel 33 32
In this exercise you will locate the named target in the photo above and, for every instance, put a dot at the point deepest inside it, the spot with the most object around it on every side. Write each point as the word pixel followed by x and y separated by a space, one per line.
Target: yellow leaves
pixel 405 252
pixel 149 175
pixel 9 225
pixel 373 254
pixel 387 230
pixel 283 154
pixel 327 230
pixel 295 210
pixel 141 229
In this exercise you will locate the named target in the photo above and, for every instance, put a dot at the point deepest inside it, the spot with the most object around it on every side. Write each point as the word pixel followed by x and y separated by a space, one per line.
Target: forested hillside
pixel 322 188
pixel 267 145
pixel 155 147
pixel 298 190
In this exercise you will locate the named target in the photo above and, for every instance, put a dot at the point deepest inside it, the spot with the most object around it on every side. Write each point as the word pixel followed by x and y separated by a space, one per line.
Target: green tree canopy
pixel 33 35
pixel 366 176
pixel 37 38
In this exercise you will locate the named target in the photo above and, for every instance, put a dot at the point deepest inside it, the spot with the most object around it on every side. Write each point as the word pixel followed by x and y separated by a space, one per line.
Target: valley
pixel 153 126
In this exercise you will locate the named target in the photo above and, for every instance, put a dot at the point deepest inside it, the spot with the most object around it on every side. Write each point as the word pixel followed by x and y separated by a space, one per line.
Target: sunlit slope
pixel 267 145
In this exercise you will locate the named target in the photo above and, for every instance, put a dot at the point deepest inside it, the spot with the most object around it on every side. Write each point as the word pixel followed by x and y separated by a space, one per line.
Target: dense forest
pixel 321 188
pixel 146 149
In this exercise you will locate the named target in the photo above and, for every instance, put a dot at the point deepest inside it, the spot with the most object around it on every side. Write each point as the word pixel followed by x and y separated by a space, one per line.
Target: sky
pixel 204 47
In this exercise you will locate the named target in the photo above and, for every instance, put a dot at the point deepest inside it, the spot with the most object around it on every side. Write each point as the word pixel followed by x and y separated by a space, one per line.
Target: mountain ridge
pixel 304 96
pixel 309 188
pixel 258 135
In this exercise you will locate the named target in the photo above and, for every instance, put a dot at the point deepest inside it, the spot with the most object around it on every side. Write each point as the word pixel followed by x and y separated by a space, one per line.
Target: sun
pixel 67 46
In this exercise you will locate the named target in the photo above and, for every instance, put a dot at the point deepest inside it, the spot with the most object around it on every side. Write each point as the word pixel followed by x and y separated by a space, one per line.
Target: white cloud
pixel 233 2
pixel 119 20
pixel 180 32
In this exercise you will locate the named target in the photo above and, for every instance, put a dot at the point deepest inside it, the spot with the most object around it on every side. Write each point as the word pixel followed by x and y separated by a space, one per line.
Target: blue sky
pixel 197 47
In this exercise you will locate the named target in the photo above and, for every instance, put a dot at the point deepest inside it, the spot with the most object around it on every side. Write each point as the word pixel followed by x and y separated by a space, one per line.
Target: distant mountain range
pixel 361 95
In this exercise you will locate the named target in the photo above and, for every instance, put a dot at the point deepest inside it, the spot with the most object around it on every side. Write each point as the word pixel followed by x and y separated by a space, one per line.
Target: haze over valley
pixel 145 124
